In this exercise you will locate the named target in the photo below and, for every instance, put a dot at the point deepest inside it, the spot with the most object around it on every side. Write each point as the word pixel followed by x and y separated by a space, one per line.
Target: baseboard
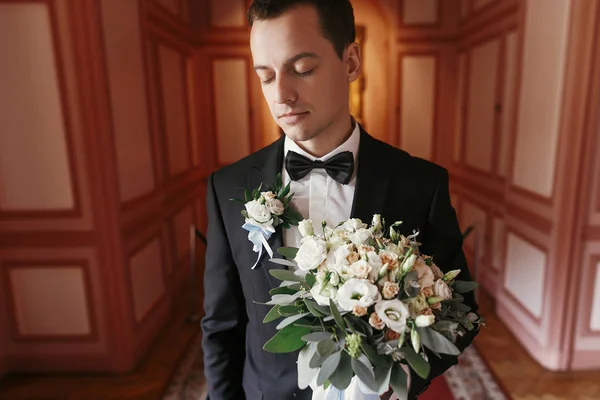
pixel 585 360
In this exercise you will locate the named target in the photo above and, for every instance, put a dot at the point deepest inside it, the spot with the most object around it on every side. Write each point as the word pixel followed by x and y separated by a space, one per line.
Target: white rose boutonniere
pixel 264 211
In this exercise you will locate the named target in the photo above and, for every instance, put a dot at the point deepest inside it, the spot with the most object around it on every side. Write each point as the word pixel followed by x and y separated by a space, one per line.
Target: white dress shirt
pixel 319 197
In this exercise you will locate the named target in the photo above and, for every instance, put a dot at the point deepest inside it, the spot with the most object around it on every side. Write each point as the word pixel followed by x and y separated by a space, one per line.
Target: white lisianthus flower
pixel 353 224
pixel 311 253
pixel 376 223
pixel 423 321
pixel 306 228
pixel 322 292
pixel 357 292
pixel 360 236
pixel 258 212
pixel 275 206
pixel 342 253
pixel 334 278
pixel 393 313
pixel 375 262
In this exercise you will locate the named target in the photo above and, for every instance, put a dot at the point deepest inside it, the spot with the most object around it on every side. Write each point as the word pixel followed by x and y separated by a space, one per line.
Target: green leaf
pixel 288 252
pixel 417 363
pixel 382 376
pixel 374 357
pixel 305 372
pixel 289 310
pixel 437 342
pixel 272 315
pixel 247 195
pixel 310 279
pixel 363 368
pixel 464 286
pixel 282 261
pixel 285 191
pixel 337 316
pixel 317 336
pixel 311 307
pixel 324 349
pixel 287 340
pixel 460 307
pixel 359 325
pixel 342 376
pixel 283 299
pixel 282 290
pixel 285 275
pixel 278 181
pixel 328 367
pixel 290 320
pixel 398 382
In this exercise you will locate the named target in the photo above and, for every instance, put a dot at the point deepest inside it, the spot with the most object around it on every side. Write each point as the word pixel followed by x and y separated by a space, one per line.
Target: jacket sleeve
pixel 224 320
pixel 444 242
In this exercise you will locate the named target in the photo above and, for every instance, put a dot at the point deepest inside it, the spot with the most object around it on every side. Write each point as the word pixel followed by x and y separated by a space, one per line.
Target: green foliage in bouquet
pixel 363 301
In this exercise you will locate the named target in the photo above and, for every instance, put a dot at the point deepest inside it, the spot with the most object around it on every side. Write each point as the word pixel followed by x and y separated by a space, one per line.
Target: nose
pixel 284 90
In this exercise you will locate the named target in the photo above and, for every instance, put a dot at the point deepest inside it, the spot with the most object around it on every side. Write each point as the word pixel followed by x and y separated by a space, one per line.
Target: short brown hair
pixel 335 16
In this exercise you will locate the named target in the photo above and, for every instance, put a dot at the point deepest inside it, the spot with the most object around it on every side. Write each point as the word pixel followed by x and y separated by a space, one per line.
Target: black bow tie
pixel 339 167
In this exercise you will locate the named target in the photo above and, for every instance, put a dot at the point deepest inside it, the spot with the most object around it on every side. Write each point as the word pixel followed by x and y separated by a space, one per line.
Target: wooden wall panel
pixel 231 94
pixel 460 107
pixel 147 278
pixel 595 312
pixel 418 85
pixel 174 99
pixel 227 13
pixel 420 12
pixel 525 273
pixel 538 117
pixel 35 148
pixel 497 259
pixel 473 214
pixel 479 133
pixel 478 4
pixel 128 96
pixel 47 311
pixel 508 102
pixel 173 6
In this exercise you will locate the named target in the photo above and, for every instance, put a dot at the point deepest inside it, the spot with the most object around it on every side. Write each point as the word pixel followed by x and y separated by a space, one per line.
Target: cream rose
pixel 426 277
pixel 441 289
pixel 275 206
pixel 376 322
pixel 357 292
pixel 311 253
pixel 268 195
pixel 423 321
pixel 437 272
pixel 390 290
pixel 393 313
pixel 360 269
pixel 416 305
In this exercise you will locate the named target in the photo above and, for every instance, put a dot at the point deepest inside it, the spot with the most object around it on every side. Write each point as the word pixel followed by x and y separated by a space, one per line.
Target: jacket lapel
pixel 264 171
pixel 373 177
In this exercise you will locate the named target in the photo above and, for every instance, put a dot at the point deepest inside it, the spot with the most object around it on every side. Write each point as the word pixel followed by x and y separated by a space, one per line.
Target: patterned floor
pixel 469 380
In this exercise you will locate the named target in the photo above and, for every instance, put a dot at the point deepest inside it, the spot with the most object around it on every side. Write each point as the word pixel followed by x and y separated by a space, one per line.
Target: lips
pixel 293 118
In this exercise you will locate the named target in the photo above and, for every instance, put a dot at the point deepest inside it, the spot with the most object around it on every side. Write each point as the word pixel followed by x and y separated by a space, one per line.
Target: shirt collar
pixel 351 145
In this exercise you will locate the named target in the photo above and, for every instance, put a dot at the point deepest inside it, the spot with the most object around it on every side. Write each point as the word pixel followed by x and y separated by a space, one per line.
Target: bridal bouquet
pixel 360 301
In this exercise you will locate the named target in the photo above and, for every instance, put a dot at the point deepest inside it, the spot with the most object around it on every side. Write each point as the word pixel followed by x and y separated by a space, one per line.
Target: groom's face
pixel 303 80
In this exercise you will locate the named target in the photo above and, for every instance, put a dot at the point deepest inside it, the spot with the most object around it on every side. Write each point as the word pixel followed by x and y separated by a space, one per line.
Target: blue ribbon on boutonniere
pixel 258 236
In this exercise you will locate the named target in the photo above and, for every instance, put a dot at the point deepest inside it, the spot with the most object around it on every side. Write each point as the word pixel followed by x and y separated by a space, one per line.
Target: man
pixel 305 57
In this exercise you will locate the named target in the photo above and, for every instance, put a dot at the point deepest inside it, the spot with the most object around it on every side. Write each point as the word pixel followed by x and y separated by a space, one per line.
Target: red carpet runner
pixel 438 390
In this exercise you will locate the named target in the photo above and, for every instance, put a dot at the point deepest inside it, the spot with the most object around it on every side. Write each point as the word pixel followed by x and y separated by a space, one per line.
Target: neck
pixel 329 139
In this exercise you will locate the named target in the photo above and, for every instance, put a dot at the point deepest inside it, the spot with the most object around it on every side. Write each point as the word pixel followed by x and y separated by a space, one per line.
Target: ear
pixel 353 61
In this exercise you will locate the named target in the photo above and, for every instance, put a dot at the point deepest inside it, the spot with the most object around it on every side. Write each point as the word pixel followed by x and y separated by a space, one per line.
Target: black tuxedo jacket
pixel 390 182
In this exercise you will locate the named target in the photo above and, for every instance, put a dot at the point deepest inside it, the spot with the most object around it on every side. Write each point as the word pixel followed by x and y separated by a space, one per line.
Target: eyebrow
pixel 299 56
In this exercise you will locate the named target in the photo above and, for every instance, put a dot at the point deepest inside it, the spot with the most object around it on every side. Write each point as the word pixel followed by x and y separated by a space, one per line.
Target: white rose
pixel 311 253
pixel 360 236
pixel 361 269
pixel 393 313
pixel 357 292
pixel 322 292
pixel 424 321
pixel 275 206
pixel 441 289
pixel 258 212
pixel 268 195
pixel 353 225
pixel 306 228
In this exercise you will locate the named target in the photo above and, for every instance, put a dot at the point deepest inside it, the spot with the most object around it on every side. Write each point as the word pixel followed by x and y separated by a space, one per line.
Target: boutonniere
pixel 264 211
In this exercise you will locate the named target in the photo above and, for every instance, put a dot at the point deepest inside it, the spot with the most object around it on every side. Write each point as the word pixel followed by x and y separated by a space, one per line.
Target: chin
pixel 298 133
